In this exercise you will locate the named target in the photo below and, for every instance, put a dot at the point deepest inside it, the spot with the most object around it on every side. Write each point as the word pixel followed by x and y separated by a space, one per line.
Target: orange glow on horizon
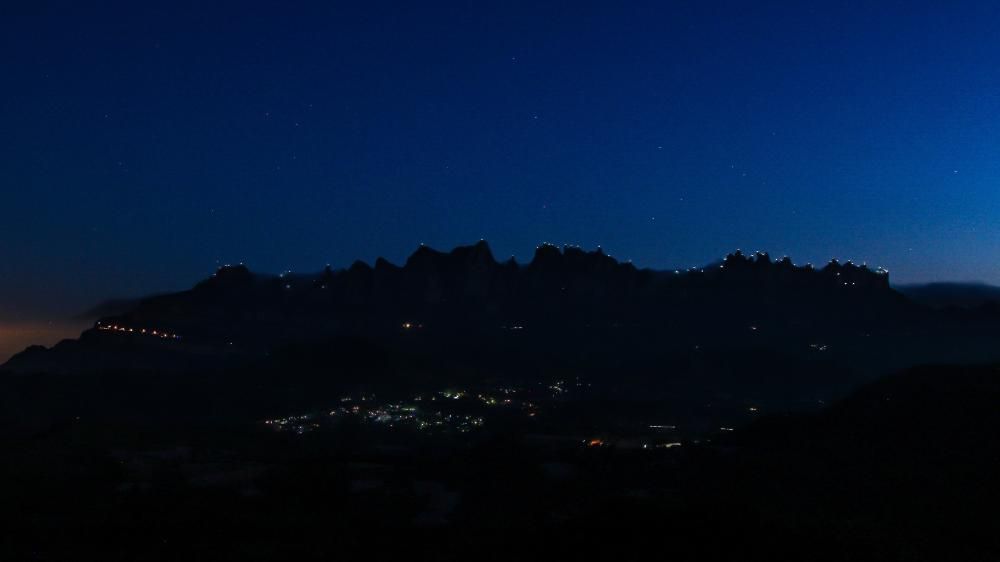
pixel 16 336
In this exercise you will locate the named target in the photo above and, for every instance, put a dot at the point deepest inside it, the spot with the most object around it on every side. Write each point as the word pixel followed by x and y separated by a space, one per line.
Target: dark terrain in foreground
pixel 461 408
pixel 902 469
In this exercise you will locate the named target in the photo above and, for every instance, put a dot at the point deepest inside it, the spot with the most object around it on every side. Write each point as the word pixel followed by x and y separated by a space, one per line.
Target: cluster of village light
pixel 162 334
pixel 298 424
pixel 426 412
pixel 451 411
pixel 454 411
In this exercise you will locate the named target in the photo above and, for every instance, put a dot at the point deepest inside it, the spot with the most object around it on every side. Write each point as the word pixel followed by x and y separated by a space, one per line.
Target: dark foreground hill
pixel 903 469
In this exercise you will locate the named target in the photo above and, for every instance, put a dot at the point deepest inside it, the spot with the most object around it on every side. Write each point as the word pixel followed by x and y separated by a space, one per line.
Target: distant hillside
pixel 941 295
pixel 15 336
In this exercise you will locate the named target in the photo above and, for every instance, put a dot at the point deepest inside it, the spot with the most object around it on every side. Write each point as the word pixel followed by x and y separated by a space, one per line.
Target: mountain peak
pixel 228 276
pixel 423 255
pixel 477 254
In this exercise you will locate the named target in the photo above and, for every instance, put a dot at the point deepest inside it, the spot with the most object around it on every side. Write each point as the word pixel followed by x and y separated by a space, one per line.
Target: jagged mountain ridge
pixel 467 289
pixel 747 322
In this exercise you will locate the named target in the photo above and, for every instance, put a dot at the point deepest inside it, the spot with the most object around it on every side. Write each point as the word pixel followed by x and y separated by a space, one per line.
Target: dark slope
pixel 962 295
pixel 904 468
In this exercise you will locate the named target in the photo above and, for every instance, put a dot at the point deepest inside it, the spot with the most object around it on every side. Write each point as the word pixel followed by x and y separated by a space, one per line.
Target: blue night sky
pixel 142 146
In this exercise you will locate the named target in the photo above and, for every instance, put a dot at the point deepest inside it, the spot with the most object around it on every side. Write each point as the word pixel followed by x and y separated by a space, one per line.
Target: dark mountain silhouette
pixel 567 307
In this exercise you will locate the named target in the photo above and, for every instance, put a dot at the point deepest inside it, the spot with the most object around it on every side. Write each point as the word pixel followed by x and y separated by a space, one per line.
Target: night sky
pixel 144 146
